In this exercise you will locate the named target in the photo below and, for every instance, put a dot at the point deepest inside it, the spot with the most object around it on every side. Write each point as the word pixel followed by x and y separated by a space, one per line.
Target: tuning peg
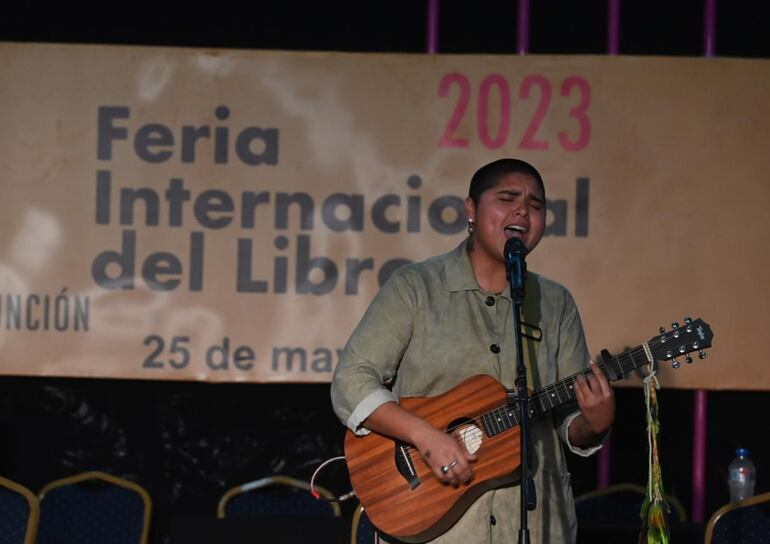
pixel 669 354
pixel 695 345
pixel 688 360
pixel 701 354
pixel 662 330
pixel 687 320
pixel 676 333
pixel 674 325
pixel 682 349
pixel 675 363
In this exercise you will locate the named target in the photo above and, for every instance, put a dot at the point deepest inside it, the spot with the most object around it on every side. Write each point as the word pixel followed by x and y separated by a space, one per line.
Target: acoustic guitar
pixel 399 492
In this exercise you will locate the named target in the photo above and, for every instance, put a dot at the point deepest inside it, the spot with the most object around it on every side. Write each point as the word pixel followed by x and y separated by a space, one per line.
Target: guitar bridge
pixel 405 465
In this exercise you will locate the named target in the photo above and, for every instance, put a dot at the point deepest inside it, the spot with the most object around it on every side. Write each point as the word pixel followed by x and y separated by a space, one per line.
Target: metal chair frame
pixel 274 480
pixel 673 502
pixel 108 478
pixel 716 516
pixel 32 503
pixel 356 523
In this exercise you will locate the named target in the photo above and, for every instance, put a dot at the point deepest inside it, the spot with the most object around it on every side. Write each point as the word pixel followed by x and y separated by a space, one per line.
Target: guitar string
pixel 475 444
pixel 538 396
pixel 544 393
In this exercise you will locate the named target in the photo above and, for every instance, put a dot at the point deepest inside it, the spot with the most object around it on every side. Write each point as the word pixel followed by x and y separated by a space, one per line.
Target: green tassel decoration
pixel 655 509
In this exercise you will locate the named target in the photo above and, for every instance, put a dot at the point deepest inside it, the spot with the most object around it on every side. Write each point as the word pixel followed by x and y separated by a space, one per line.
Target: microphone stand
pixel 516 270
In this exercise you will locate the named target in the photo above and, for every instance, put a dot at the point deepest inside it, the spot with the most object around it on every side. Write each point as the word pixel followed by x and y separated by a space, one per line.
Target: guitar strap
pixel 532 335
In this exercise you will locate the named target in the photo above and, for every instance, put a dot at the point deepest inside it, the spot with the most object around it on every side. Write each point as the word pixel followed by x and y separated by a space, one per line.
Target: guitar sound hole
pixel 469 435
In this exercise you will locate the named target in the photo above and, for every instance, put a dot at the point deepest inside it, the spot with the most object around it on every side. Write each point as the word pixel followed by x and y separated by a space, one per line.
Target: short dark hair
pixel 490 175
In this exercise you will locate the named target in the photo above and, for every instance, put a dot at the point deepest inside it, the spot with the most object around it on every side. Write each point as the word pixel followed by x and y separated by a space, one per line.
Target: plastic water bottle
pixel 741 476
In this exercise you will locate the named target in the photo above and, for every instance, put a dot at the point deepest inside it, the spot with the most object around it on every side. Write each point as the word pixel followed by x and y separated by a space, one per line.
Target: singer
pixel 440 321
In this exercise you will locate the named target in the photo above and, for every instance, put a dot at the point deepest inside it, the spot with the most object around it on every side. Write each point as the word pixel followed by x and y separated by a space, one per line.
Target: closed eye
pixel 509 196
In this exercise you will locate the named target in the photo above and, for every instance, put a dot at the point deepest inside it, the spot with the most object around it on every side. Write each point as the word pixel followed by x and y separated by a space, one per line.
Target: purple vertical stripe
pixel 701 397
pixel 613 27
pixel 522 35
pixel 604 462
pixel 710 28
pixel 699 457
pixel 431 32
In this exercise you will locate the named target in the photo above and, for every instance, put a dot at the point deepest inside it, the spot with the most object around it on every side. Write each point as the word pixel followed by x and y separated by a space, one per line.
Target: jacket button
pixel 494 348
pixel 490 300
pixel 492 520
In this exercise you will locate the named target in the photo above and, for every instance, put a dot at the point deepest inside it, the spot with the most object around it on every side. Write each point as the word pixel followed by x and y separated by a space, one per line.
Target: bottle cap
pixel 742 452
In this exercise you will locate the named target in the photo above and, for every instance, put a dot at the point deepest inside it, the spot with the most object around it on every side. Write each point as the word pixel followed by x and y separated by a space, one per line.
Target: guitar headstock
pixel 694 335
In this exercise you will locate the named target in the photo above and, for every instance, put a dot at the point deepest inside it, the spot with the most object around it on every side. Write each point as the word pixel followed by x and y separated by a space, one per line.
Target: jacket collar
pixel 458 272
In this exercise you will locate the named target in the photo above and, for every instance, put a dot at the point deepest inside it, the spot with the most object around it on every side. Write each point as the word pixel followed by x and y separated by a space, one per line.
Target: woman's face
pixel 515 207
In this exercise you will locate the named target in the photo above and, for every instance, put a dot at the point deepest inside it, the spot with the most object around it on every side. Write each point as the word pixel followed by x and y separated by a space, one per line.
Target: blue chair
pixel 18 513
pixel 741 522
pixel 620 504
pixel 93 508
pixel 362 531
pixel 276 496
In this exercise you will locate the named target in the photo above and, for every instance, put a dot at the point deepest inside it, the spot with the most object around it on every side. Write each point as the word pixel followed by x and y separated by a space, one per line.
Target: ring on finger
pixel 446 468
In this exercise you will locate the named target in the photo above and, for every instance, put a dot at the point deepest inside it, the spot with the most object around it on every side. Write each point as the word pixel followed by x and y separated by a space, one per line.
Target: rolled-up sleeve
pixel 578 450
pixel 372 354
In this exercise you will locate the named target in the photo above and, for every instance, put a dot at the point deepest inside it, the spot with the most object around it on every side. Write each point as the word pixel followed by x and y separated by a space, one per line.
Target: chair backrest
pixel 276 496
pixel 18 513
pixel 362 531
pixel 620 503
pixel 741 522
pixel 93 507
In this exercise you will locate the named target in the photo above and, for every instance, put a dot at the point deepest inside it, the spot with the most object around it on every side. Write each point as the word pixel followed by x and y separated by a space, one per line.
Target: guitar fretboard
pixel 552 396
pixel 695 335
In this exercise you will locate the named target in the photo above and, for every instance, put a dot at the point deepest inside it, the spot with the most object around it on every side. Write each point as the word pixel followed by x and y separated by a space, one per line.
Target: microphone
pixel 514 253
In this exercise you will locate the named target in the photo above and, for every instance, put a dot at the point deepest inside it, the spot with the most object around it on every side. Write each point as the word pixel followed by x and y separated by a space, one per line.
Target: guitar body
pixel 384 480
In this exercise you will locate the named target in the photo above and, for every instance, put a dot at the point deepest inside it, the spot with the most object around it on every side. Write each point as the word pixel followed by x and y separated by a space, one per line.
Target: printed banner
pixel 227 215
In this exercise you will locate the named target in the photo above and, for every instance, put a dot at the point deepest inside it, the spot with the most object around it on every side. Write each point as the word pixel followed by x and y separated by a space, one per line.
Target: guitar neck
pixel 541 401
pixel 563 391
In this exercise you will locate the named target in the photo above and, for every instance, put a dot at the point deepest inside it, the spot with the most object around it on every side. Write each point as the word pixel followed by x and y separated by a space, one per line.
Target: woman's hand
pixel 446 456
pixel 439 449
pixel 597 408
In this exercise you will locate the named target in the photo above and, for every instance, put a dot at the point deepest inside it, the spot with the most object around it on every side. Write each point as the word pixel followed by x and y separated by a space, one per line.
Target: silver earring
pixel 470 226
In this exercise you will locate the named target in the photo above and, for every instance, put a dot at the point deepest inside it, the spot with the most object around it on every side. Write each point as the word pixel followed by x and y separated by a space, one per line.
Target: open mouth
pixel 513 230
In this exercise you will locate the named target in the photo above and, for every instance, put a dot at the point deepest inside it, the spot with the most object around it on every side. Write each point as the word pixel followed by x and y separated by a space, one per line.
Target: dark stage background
pixel 186 443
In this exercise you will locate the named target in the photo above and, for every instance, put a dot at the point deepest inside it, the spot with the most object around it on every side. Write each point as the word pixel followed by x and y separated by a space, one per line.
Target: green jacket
pixel 429 328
